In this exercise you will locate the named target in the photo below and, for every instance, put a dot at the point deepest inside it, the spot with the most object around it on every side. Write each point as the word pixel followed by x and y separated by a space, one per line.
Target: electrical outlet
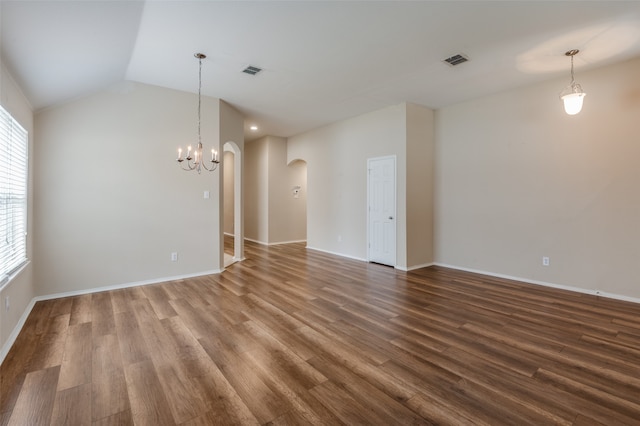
pixel 174 256
pixel 7 305
pixel 545 261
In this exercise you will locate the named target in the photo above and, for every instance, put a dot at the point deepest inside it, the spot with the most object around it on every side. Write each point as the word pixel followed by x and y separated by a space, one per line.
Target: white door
pixel 381 184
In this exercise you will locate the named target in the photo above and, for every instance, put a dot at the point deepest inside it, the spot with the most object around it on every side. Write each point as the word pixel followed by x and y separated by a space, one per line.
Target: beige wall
pixel 287 214
pixel 336 158
pixel 112 203
pixel 256 201
pixel 21 289
pixel 518 179
pixel 232 130
pixel 419 181
pixel 273 215
pixel 232 137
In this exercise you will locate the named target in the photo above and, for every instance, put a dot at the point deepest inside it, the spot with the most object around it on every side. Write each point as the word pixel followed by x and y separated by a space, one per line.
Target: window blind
pixel 13 195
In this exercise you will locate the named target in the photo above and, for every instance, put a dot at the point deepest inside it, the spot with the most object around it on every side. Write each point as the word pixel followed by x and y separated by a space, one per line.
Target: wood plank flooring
pixel 293 336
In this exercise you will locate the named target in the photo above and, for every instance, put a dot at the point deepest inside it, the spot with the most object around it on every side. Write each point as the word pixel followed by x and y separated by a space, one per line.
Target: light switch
pixel 206 195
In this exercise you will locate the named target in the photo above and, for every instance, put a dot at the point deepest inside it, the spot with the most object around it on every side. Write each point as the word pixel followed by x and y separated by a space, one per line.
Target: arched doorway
pixel 233 206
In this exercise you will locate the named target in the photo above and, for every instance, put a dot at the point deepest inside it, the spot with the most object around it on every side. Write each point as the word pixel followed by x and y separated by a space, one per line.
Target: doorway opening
pixel 232 204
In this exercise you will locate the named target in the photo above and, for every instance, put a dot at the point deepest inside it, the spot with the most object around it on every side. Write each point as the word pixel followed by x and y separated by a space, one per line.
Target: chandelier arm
pixel 214 165
pixel 188 168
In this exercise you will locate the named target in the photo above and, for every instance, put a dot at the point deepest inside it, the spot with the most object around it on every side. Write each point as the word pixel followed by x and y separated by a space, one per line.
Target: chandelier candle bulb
pixel 179 154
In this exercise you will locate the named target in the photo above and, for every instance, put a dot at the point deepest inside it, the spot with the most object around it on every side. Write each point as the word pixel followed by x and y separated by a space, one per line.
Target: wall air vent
pixel 251 70
pixel 456 60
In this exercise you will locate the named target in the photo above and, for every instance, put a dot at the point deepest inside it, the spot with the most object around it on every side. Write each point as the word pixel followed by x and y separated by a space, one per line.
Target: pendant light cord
pixel 572 79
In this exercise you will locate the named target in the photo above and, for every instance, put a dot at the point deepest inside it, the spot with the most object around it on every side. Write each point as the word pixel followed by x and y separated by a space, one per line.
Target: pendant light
pixel 572 95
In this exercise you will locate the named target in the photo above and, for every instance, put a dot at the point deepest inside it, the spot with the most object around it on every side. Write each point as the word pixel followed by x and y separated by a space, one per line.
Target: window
pixel 13 195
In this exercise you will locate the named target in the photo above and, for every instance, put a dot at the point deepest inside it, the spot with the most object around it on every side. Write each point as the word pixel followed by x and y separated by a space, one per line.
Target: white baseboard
pixel 287 242
pixel 400 268
pixel 545 284
pixel 125 285
pixel 337 254
pixel 414 267
pixel 256 241
pixel 16 330
pixel 263 243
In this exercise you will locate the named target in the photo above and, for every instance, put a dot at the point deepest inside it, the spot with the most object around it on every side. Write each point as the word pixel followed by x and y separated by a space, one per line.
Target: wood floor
pixel 293 336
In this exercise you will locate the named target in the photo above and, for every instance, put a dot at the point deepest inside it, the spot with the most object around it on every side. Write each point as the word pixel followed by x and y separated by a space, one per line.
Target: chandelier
pixel 572 95
pixel 194 159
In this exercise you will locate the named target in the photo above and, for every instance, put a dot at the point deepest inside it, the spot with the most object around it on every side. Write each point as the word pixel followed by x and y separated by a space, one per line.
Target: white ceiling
pixel 323 61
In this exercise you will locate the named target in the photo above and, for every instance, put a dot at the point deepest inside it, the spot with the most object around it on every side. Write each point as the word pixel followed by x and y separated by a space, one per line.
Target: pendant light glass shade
pixel 572 95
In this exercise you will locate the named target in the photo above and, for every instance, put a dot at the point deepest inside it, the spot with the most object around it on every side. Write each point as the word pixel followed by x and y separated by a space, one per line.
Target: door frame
pixel 395 204
pixel 238 203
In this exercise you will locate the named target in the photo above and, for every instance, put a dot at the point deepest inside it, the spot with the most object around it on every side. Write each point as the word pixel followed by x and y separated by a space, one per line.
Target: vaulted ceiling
pixel 322 61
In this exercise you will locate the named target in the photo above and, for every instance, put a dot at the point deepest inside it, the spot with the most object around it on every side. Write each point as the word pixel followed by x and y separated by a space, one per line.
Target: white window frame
pixel 14 172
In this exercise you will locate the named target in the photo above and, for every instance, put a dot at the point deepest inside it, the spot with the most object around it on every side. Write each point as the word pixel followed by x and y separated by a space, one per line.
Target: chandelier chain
pixel 200 90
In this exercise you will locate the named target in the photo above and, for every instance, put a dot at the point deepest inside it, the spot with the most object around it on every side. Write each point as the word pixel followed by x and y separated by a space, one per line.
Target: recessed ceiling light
pixel 254 128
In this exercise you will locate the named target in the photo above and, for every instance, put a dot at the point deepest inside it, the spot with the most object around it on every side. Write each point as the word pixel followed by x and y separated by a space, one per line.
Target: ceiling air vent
pixel 456 60
pixel 251 70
